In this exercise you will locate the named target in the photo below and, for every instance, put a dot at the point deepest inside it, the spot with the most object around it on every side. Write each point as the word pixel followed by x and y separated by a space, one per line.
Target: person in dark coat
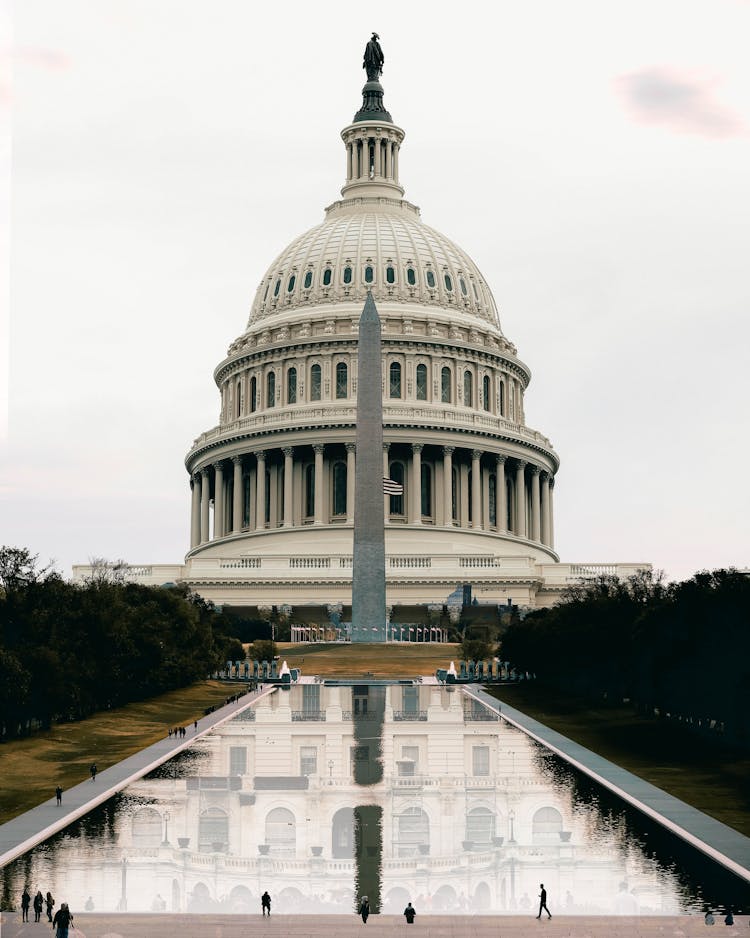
pixel 62 921
pixel 50 903
pixel 93 771
pixel 265 903
pixel 543 901
pixel 25 903
pixel 58 794
pixel 409 913
pixel 364 909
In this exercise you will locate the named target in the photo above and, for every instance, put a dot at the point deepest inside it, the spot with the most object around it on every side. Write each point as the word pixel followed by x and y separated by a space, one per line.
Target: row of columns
pixel 536 523
pixel 385 158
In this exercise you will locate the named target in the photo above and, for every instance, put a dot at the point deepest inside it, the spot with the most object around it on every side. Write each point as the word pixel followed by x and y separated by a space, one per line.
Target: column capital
pixel 535 470
pixel 237 460
pixel 260 455
pixel 204 471
pixel 476 454
pixel 417 447
pixel 351 447
pixel 386 447
pixel 195 478
pixel 551 481
pixel 218 466
pixel 521 464
pixel 318 448
pixel 449 450
pixel 288 451
pixel 500 459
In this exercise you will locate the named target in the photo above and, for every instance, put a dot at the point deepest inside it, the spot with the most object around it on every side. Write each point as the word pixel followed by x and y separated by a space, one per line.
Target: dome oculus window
pixel 327 277
pixel 421 382
pixel 308 280
pixel 290 285
pixel 411 277
pixel 431 279
pixel 347 275
pixel 315 383
pixel 270 389
pixel 342 383
pixel 395 379
pixel 277 288
pixel 291 386
pixel 448 283
pixel 445 386
pixel 390 274
pixel 369 274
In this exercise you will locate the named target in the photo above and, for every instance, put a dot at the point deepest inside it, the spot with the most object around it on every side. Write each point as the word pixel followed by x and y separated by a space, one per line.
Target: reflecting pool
pixel 321 793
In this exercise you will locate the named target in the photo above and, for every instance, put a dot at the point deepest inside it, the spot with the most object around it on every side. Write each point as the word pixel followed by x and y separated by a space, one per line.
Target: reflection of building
pixel 268 801
pixel 272 484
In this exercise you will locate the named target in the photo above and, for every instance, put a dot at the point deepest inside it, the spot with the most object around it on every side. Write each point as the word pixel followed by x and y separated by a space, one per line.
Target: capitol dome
pixel 273 483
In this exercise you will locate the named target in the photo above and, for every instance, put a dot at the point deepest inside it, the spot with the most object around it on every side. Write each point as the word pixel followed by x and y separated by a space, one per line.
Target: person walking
pixel 25 903
pixel 62 921
pixel 50 903
pixel 58 794
pixel 265 904
pixel 93 771
pixel 364 909
pixel 409 913
pixel 543 902
pixel 38 905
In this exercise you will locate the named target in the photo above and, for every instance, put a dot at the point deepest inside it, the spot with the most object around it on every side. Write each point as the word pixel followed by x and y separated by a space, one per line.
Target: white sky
pixel 592 157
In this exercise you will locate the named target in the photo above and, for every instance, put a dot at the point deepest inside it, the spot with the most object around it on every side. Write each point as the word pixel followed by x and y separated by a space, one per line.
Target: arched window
pixel 315 383
pixel 291 386
pixel 448 283
pixel 493 499
pixel 480 826
pixel 468 397
pixel 309 491
pixel 546 826
pixel 486 402
pixel 413 832
pixel 369 274
pixel 430 279
pixel 270 389
pixel 397 501
pixel 308 280
pixel 462 283
pixel 501 398
pixel 411 276
pixel 327 277
pixel 342 834
pixel 290 285
pixel 213 831
pixel 238 399
pixel 426 494
pixel 281 832
pixel 421 382
pixel 342 381
pixel 390 274
pixel 395 379
pixel 339 488
pixel 253 394
pixel 277 287
pixel 347 274
pixel 147 828
pixel 445 385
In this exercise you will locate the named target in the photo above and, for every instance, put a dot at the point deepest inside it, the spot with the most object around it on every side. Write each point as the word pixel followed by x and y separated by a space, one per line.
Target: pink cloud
pixel 678 99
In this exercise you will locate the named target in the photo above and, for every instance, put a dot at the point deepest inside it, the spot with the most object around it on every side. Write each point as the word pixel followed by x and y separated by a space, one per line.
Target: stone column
pixel 448 483
pixel 520 499
pixel 260 491
pixel 545 509
pixel 238 494
pixel 348 162
pixel 288 452
pixel 415 495
pixel 378 149
pixel 351 469
pixel 476 488
pixel 318 450
pixel 388 146
pixel 386 475
pixel 551 513
pixel 501 495
pixel 395 162
pixel 195 511
pixel 218 499
pixel 536 528
pixel 205 496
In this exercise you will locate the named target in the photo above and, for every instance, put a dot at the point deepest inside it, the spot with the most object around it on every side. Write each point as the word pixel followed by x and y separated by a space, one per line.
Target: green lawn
pixel 711 777
pixel 409 659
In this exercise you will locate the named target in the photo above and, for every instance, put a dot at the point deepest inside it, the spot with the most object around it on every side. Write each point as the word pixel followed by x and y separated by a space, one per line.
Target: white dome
pixel 382 246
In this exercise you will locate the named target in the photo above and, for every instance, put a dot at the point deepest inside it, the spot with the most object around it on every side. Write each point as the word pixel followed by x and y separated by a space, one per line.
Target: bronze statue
pixel 374 59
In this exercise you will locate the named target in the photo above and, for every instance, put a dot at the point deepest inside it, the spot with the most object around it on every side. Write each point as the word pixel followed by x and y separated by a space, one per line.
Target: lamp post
pixel 165 842
pixel 330 768
pixel 511 819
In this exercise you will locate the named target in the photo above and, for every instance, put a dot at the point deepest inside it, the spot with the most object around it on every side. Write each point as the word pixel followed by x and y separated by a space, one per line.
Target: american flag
pixel 392 488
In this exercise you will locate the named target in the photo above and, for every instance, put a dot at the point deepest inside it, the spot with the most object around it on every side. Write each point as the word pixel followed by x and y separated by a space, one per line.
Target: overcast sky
pixel 592 157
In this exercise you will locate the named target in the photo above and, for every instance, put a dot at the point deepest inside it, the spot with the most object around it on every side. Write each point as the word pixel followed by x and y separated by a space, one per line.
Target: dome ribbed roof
pixel 373 244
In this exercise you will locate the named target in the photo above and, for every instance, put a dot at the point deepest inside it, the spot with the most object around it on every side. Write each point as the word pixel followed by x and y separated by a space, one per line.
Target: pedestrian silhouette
pixel 93 771
pixel 265 903
pixel 50 903
pixel 58 794
pixel 543 901
pixel 62 921
pixel 364 909
pixel 25 903
pixel 38 905
pixel 409 913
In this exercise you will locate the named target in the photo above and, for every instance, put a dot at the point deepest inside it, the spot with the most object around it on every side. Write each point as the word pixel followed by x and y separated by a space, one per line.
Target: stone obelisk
pixel 368 580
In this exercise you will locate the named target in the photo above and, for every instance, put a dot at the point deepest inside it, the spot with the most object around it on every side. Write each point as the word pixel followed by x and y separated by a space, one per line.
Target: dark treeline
pixel 68 650
pixel 678 650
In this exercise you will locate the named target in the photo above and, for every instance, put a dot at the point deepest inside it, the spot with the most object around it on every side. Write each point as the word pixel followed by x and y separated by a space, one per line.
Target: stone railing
pixel 410 716
pixel 308 716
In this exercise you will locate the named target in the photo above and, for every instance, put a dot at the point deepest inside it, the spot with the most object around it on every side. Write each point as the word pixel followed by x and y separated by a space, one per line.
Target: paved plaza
pixel 378 926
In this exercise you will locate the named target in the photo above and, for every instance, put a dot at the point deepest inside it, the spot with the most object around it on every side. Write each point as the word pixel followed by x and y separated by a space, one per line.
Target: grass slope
pixel 360 660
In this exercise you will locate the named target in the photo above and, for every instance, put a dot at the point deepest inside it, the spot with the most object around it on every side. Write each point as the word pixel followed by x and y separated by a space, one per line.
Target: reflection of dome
pixel 273 483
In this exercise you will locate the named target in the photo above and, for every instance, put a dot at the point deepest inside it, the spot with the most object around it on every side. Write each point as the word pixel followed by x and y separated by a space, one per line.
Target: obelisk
pixel 368 579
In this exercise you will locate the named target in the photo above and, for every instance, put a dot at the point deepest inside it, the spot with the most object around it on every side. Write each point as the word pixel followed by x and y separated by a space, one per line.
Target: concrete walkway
pixel 378 926
pixel 31 828
pixel 722 843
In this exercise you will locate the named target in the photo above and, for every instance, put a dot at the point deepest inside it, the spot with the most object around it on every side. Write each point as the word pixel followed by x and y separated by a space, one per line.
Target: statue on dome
pixel 374 59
